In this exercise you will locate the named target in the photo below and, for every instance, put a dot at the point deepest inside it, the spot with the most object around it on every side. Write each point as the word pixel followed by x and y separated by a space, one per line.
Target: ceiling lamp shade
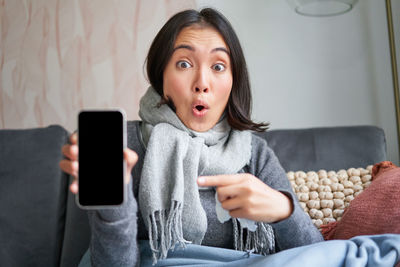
pixel 321 8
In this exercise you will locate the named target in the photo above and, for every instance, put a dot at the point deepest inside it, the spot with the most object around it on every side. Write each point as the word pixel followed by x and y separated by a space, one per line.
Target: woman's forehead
pixel 200 36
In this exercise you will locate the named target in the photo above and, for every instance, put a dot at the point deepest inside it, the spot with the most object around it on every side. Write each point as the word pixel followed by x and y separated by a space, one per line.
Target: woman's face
pixel 198 77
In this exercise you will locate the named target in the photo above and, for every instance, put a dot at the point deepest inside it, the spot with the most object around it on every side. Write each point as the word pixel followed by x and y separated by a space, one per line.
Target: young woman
pixel 198 175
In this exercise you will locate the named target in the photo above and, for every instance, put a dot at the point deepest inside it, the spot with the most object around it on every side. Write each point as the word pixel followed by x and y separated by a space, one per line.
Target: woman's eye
pixel 218 67
pixel 183 64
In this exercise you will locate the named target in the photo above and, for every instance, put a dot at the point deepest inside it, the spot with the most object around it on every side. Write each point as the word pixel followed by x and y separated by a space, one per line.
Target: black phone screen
pixel 101 165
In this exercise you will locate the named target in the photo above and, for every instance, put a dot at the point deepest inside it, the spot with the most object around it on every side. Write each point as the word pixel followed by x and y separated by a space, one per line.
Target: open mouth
pixel 199 107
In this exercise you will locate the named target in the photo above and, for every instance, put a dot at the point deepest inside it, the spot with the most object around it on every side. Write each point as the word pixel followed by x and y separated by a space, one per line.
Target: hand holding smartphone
pixel 102 168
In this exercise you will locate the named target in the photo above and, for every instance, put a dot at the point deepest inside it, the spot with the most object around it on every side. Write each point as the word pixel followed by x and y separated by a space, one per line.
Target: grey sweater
pixel 114 233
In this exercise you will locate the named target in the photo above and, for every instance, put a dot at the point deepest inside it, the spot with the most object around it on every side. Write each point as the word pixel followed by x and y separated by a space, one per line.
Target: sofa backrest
pixel 329 148
pixel 33 193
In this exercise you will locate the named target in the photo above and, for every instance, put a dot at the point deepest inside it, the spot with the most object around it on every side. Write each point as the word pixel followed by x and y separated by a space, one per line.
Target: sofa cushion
pixel 32 196
pixel 325 194
pixel 375 210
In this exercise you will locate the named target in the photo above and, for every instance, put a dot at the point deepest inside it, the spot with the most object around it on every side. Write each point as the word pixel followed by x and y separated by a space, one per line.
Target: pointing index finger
pixel 218 180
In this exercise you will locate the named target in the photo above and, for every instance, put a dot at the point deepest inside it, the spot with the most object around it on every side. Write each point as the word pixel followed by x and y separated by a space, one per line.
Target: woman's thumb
pixel 131 158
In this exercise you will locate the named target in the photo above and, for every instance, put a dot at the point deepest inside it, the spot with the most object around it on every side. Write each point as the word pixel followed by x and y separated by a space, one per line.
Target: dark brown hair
pixel 238 109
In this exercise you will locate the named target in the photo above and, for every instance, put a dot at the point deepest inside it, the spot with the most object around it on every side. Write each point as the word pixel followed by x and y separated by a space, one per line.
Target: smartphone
pixel 101 142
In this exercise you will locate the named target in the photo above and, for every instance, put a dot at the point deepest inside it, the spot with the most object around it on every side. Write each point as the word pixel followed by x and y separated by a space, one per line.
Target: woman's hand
pixel 70 164
pixel 246 196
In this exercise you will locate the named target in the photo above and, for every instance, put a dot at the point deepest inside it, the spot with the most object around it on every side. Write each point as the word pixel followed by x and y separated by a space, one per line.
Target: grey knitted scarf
pixel 168 192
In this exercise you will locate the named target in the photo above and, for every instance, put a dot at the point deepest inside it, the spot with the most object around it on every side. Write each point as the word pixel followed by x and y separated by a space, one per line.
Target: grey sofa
pixel 40 225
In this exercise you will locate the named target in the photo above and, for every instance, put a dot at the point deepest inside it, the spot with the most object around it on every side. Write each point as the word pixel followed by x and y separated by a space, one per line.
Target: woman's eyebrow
pixel 223 49
pixel 184 46
pixel 191 48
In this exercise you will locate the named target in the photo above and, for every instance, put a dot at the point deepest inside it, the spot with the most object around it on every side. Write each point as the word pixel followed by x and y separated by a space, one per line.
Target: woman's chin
pixel 199 126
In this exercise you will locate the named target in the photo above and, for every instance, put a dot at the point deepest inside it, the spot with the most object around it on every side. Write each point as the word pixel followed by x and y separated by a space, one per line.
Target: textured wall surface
pixel 57 57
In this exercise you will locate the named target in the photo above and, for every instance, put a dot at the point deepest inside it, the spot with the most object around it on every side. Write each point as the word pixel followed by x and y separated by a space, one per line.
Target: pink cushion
pixel 375 211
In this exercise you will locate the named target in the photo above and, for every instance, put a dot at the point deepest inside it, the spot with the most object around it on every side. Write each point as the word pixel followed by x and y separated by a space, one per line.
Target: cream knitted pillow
pixel 325 194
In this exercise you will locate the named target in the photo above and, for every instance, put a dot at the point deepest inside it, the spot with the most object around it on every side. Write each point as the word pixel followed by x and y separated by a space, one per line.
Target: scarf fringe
pixel 165 231
pixel 261 241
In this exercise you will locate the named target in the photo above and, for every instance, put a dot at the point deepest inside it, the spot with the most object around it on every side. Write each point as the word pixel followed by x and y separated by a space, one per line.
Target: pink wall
pixel 57 57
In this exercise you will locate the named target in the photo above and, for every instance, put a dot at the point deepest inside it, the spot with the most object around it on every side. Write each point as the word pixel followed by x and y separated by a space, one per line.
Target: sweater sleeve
pixel 113 234
pixel 297 229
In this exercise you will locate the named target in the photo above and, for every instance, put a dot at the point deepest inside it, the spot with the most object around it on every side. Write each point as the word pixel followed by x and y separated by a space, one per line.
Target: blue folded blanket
pixel 373 250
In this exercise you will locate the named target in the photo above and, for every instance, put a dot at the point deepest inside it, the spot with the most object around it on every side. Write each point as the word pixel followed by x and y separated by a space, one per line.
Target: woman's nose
pixel 198 90
pixel 201 83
